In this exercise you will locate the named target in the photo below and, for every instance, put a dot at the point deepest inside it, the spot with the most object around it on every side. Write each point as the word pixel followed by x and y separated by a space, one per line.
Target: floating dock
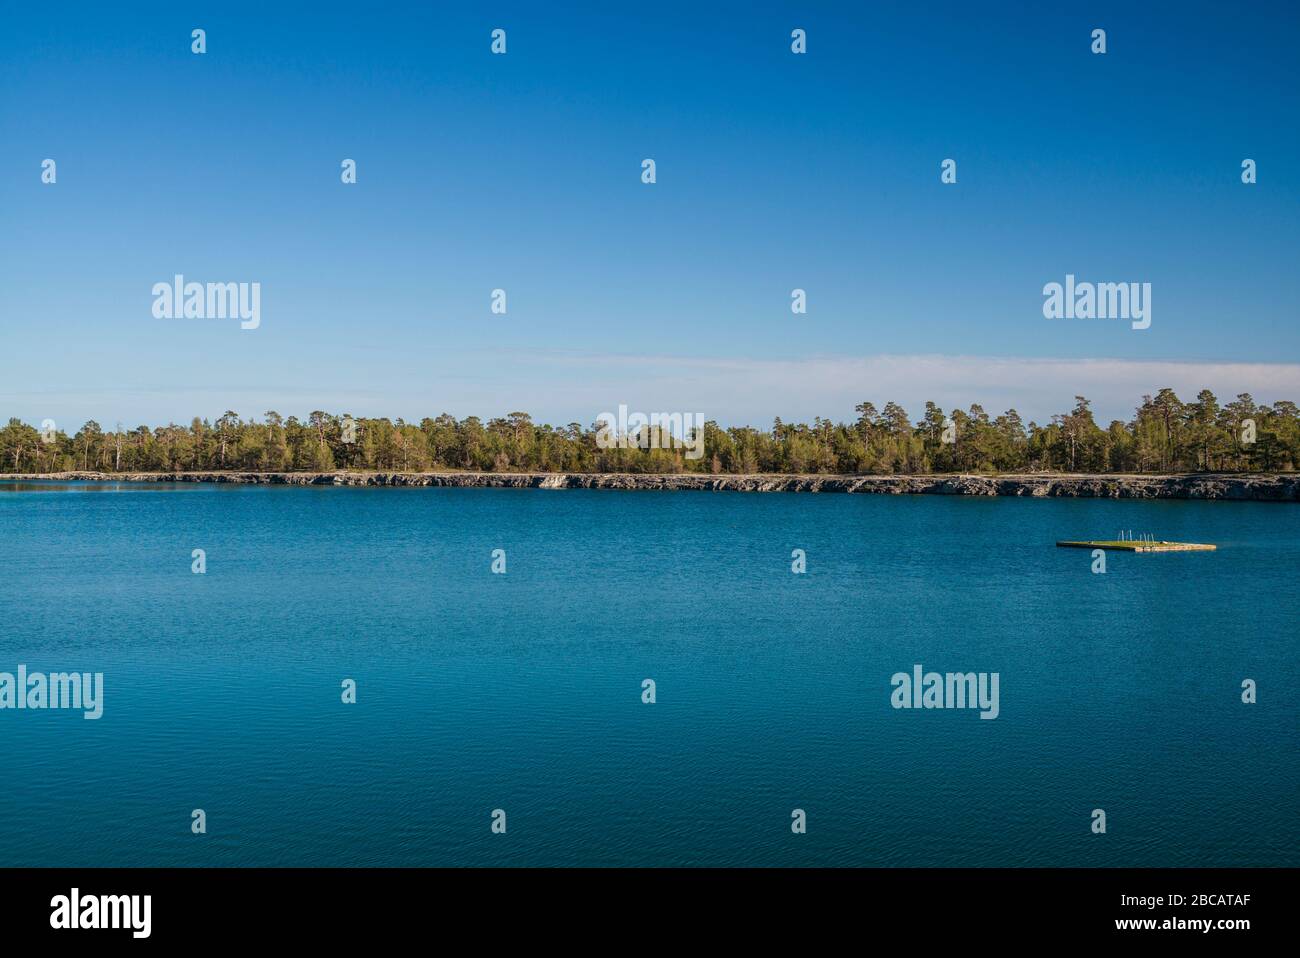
pixel 1139 545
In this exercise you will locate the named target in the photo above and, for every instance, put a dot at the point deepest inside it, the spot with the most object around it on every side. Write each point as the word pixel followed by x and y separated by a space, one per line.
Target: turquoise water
pixel 522 691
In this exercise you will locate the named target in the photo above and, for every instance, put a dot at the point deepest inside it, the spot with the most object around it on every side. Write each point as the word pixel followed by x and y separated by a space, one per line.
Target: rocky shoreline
pixel 1272 488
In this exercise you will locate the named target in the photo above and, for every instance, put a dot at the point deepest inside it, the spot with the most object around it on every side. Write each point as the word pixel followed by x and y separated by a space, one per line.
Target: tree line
pixel 1165 434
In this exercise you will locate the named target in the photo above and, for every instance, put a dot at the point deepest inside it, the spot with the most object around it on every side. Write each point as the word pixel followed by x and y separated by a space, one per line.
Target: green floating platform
pixel 1140 545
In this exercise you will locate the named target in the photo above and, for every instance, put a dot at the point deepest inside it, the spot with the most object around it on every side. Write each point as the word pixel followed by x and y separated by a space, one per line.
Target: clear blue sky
pixel 522 172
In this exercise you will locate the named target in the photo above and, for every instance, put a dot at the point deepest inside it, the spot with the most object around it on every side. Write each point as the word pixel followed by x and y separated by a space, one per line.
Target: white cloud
pixel 562 387
pixel 755 390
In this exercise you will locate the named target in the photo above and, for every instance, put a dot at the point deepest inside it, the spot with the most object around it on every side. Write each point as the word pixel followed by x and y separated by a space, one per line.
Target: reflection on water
pixel 63 485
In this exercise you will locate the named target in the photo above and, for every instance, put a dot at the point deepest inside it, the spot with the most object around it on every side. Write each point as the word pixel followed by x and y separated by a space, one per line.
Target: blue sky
pixel 522 172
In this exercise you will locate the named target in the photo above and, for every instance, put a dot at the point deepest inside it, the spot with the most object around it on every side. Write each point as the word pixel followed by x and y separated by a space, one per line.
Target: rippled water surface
pixel 523 691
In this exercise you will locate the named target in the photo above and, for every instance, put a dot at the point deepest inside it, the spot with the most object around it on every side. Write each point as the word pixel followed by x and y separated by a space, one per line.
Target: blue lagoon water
pixel 522 691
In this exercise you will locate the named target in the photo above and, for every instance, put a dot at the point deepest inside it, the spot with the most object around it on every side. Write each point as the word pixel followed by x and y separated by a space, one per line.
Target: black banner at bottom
pixel 89 907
